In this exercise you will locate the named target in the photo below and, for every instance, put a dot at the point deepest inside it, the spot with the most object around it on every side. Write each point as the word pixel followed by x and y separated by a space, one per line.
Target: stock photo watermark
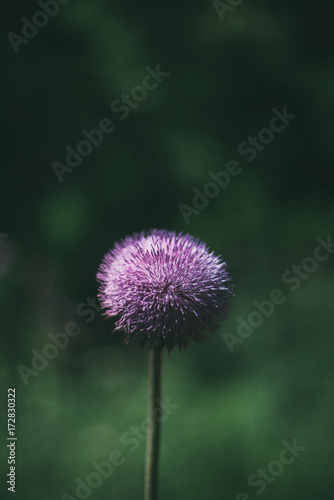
pixel 122 108
pixel 12 438
pixel 263 477
pixel 130 439
pixel 293 277
pixel 30 28
pixel 248 148
pixel 59 341
pixel 223 7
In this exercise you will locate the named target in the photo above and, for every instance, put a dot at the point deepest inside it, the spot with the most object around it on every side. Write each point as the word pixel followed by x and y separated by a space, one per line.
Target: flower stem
pixel 153 434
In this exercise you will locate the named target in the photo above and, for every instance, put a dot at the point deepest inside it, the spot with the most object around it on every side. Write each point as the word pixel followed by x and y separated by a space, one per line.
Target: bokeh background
pixel 235 409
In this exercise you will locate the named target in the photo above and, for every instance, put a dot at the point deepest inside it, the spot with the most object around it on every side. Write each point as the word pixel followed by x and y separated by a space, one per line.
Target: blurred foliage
pixel 225 78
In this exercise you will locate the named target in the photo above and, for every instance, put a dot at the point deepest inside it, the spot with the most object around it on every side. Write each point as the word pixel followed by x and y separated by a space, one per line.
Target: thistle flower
pixel 166 288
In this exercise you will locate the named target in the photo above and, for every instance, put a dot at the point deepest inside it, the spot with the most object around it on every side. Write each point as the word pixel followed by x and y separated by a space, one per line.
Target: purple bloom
pixel 166 289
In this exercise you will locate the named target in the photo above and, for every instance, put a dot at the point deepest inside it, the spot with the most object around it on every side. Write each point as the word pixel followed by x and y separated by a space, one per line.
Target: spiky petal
pixel 166 288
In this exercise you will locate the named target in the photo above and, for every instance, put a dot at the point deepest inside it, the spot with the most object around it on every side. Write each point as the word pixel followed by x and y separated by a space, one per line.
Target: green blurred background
pixel 235 409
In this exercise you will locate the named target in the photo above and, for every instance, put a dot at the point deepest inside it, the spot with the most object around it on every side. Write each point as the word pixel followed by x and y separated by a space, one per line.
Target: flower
pixel 166 288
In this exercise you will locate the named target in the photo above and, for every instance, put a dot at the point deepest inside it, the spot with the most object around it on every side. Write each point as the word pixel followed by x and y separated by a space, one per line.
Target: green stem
pixel 153 433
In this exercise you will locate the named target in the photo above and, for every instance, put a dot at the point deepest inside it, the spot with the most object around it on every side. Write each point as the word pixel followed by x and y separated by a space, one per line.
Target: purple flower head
pixel 166 289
